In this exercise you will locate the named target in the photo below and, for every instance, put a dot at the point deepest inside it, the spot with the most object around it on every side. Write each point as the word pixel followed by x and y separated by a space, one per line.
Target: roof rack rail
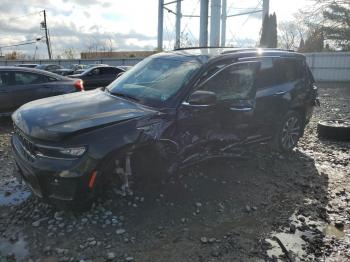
pixel 256 48
pixel 201 47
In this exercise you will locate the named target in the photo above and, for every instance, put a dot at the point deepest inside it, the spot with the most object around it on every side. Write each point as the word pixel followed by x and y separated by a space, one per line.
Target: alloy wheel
pixel 290 132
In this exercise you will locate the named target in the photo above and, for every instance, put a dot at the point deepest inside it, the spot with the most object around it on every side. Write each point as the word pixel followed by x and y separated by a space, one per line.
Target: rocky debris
pixel 304 195
pixel 204 240
pixel 120 231
pixel 111 255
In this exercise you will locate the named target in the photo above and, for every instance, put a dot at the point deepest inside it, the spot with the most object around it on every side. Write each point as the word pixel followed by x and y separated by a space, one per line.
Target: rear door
pixel 29 86
pixel 7 103
pixel 280 83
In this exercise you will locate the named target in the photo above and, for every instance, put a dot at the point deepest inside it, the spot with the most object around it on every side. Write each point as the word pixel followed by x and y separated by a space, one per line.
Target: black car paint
pixel 14 95
pixel 92 81
pixel 181 133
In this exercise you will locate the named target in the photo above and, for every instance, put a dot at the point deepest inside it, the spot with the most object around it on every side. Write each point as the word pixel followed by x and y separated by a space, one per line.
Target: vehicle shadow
pixel 240 205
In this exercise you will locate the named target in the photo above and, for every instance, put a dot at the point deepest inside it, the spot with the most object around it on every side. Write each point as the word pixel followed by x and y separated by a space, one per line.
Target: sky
pixel 122 25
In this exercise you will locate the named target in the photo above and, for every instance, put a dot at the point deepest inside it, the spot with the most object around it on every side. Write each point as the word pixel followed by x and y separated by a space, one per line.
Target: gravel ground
pixel 221 210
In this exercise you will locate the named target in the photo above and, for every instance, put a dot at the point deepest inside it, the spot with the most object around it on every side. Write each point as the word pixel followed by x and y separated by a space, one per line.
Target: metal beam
pixel 246 13
pixel 203 23
pixel 178 24
pixel 160 24
pixel 223 22
pixel 215 23
pixel 266 7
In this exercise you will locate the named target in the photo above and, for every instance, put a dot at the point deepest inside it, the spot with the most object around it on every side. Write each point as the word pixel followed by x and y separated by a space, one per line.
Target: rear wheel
pixel 289 132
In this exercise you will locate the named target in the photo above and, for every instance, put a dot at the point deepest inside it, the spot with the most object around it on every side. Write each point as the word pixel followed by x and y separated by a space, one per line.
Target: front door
pixel 221 127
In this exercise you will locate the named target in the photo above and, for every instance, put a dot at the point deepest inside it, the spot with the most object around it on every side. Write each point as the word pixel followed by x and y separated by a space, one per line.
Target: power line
pixel 19 17
pixel 27 42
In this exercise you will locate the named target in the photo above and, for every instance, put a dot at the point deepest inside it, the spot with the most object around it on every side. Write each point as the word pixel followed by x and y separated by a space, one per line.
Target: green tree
pixel 314 41
pixel 337 24
pixel 269 32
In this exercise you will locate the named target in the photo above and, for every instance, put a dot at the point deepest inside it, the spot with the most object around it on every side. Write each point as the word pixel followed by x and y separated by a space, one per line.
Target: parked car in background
pixel 70 70
pixel 80 71
pixel 21 85
pixel 27 65
pixel 49 67
pixel 126 68
pixel 98 76
pixel 170 111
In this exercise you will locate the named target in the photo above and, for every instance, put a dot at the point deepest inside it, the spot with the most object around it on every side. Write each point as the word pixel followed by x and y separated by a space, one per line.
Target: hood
pixel 55 117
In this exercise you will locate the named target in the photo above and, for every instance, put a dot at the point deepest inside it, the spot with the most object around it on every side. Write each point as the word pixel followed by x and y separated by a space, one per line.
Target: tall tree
pixel 337 24
pixel 332 17
pixel 269 32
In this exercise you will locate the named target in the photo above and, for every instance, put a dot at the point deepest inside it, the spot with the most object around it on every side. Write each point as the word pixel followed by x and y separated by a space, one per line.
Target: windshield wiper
pixel 125 96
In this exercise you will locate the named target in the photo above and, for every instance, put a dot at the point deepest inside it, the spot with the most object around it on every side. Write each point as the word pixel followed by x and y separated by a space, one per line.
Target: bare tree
pixel 68 53
pixel 289 35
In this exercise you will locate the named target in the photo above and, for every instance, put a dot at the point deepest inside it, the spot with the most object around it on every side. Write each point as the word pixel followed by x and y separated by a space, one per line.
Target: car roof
pixel 29 70
pixel 208 53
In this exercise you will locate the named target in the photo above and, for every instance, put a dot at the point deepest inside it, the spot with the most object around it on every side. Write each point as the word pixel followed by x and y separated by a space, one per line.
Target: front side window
pixel 233 82
pixel 154 80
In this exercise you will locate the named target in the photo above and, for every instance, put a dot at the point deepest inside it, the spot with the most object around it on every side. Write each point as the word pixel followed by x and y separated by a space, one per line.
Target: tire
pixel 338 129
pixel 288 133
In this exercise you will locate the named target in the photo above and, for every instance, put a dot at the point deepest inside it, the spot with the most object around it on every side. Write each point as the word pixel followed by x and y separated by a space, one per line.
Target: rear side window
pixel 290 70
pixel 23 78
pixel 6 78
pixel 277 71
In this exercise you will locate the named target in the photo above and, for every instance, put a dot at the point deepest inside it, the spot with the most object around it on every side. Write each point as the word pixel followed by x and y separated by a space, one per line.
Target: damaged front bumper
pixel 53 178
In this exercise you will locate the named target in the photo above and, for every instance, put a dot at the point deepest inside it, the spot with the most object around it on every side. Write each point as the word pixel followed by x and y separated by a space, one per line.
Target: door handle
pixel 241 109
pixel 279 93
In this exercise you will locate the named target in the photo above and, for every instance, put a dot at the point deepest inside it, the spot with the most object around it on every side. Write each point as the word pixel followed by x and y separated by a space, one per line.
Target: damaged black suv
pixel 171 110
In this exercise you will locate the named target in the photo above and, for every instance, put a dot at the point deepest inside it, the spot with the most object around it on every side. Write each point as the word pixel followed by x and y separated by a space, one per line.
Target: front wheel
pixel 288 132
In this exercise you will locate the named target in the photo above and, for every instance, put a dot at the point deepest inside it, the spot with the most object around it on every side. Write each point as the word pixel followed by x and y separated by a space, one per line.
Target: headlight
pixel 73 151
pixel 60 152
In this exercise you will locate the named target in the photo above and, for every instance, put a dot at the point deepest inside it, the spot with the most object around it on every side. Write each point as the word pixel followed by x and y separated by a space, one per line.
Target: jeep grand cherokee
pixel 171 110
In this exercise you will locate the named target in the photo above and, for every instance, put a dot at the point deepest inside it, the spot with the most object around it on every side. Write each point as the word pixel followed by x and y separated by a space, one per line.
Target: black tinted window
pixel 267 75
pixel 279 71
pixel 6 78
pixel 290 69
pixel 110 71
pixel 96 71
pixel 23 78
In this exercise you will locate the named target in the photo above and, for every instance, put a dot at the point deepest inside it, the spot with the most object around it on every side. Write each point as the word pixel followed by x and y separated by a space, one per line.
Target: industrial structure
pixel 218 17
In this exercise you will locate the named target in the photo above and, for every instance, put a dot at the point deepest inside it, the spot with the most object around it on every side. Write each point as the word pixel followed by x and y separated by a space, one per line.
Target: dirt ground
pixel 220 210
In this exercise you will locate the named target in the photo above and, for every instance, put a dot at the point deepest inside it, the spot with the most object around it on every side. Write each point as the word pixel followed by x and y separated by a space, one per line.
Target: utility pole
pixel 203 23
pixel 178 24
pixel 160 24
pixel 223 22
pixel 215 23
pixel 47 36
pixel 266 7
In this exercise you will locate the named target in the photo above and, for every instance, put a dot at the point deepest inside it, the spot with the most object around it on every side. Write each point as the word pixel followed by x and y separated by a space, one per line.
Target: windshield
pixel 154 80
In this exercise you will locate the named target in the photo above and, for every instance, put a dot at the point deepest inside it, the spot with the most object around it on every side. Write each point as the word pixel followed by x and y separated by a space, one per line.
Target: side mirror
pixel 202 98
